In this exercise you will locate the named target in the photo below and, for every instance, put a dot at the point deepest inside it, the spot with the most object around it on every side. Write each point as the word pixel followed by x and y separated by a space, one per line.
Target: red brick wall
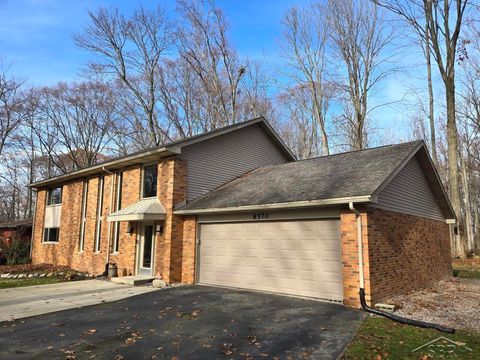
pixel 125 259
pixel 174 248
pixel 406 252
pixel 66 251
pixel 37 249
pixel 351 279
pixel 401 253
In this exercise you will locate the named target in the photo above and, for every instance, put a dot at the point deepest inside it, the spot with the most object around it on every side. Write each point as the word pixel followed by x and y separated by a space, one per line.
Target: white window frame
pixel 143 180
pixel 118 205
pixel 83 217
pixel 98 225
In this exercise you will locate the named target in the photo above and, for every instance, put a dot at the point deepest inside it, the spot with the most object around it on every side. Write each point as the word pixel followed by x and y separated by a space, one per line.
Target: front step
pixel 132 280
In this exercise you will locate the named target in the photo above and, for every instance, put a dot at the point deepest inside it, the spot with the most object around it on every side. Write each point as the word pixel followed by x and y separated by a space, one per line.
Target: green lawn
pixel 380 338
pixel 10 283
pixel 466 272
pixel 468 268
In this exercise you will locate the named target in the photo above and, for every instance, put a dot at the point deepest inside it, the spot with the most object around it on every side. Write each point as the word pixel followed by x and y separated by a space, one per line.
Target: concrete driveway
pixel 193 322
pixel 17 303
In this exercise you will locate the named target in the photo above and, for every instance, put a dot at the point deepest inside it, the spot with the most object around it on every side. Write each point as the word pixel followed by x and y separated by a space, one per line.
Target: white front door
pixel 146 249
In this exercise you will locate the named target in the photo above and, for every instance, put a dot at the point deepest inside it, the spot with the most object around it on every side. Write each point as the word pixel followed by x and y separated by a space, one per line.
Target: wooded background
pixel 152 79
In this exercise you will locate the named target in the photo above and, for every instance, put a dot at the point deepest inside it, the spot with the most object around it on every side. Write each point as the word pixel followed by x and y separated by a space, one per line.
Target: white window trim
pixel 118 198
pixel 83 219
pixel 98 225
pixel 143 179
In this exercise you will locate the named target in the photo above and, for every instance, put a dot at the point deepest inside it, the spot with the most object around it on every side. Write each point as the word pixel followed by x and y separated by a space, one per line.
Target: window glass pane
pixel 147 247
pixel 50 235
pixel 150 180
pixel 55 196
pixel 53 234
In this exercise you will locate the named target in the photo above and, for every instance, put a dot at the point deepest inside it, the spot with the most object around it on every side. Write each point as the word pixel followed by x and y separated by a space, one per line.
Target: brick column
pixel 351 274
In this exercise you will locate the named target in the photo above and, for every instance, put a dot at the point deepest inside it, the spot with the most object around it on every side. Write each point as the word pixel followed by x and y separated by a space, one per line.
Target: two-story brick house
pixel 122 210
pixel 233 208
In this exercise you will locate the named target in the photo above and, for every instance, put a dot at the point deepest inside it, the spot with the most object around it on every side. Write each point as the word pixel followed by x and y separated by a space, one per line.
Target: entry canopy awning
pixel 143 210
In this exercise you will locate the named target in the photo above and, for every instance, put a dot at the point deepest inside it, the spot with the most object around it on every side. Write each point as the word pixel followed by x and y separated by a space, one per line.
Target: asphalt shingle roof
pixel 356 173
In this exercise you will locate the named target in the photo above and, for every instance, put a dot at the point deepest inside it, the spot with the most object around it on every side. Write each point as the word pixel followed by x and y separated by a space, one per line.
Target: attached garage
pixel 296 257
pixel 375 219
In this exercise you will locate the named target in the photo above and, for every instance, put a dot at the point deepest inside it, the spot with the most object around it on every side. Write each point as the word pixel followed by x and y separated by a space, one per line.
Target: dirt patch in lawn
pixel 454 302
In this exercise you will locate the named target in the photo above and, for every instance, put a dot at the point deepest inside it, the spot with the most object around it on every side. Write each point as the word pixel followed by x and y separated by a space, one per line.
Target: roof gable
pixel 429 171
pixel 169 149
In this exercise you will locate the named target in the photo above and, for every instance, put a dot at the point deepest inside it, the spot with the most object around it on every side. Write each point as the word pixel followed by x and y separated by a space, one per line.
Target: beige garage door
pixel 292 257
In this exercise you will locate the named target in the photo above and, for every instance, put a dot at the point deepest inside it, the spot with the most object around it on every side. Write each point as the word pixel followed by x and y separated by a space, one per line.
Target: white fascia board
pixel 289 205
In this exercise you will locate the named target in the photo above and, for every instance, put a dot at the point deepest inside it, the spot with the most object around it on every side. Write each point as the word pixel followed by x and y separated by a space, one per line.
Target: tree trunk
pixel 468 208
pixel 458 243
pixel 325 147
pixel 476 217
pixel 431 114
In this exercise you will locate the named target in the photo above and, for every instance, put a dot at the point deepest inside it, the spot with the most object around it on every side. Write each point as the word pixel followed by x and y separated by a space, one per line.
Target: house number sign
pixel 260 216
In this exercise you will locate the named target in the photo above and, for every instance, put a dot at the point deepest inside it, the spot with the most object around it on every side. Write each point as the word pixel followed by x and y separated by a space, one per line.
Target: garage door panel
pixel 293 257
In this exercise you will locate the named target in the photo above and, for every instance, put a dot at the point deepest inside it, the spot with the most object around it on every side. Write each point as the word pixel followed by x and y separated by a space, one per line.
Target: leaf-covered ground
pixel 30 268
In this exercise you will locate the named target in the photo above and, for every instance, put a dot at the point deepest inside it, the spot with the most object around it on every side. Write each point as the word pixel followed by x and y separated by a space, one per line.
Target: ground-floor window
pixel 51 234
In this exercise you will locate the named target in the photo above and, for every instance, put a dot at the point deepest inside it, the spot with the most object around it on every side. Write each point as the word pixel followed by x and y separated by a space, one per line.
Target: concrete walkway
pixel 16 303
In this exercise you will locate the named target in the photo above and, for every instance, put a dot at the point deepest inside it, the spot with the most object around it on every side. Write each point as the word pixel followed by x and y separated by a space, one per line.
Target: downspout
pixel 362 286
pixel 112 185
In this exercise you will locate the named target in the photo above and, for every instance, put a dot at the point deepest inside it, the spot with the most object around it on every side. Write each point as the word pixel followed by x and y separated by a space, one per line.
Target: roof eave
pixel 110 165
pixel 288 205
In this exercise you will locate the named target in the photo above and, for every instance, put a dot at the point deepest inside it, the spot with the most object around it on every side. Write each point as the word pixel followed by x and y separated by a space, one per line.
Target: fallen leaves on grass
pixel 31 268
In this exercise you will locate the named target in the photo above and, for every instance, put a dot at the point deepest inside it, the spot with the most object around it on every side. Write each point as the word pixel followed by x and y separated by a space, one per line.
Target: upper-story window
pixel 150 173
pixel 54 196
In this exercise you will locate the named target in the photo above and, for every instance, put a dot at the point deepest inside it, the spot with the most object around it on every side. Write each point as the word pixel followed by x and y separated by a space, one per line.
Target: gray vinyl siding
pixel 410 193
pixel 214 162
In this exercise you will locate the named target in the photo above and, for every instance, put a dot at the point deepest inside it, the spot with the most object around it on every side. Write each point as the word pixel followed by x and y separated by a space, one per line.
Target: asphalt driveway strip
pixel 191 322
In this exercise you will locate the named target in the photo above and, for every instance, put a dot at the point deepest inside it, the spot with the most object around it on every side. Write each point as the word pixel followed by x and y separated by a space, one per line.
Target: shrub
pixel 16 252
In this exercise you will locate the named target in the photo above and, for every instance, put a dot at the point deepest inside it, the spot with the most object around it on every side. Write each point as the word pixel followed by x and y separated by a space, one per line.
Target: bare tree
pixel 300 130
pixel 203 45
pixel 440 23
pixel 359 38
pixel 12 105
pixel 131 49
pixel 431 103
pixel 81 118
pixel 307 33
